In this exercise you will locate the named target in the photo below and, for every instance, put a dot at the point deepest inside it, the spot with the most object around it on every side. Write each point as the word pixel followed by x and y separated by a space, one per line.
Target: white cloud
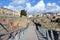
pixel 40 5
pixel 30 9
pixel 17 2
pixel 14 8
pixel 52 7
pixel 37 8
pixel 10 7
pixel 49 4
pixel 16 5
pixel 28 5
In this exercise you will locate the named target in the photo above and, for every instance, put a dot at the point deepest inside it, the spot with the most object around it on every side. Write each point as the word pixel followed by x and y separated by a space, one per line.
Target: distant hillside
pixel 8 12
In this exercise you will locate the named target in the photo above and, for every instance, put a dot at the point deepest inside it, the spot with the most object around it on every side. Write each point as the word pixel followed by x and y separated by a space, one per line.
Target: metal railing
pixel 49 34
pixel 13 35
pixel 19 33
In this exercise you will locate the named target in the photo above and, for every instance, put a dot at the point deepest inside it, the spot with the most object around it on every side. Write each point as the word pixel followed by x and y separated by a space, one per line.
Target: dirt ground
pixel 14 24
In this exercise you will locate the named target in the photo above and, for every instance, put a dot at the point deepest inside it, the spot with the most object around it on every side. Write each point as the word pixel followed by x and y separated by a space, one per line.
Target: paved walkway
pixel 30 34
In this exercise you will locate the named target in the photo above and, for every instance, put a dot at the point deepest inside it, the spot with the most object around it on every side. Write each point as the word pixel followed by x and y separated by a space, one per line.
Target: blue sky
pixel 5 2
pixel 32 6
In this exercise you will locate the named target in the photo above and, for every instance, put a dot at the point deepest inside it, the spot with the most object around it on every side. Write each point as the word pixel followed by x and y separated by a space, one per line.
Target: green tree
pixel 23 12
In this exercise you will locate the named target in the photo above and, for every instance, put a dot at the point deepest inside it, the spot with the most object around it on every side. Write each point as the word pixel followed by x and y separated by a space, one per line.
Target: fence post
pixel 19 35
pixel 52 35
pixel 59 35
